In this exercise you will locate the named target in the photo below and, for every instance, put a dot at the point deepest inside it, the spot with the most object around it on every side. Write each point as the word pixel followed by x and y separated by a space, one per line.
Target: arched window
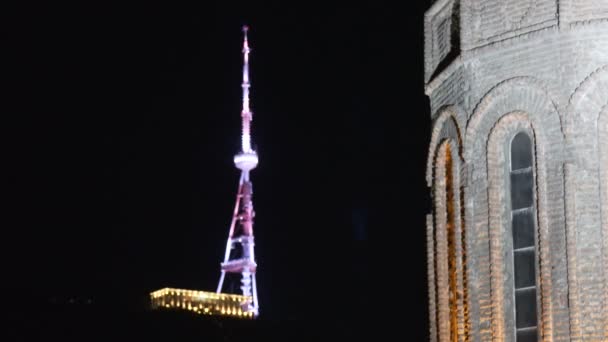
pixel 523 226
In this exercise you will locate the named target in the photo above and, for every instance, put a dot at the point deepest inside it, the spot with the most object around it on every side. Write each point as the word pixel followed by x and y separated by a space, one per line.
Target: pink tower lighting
pixel 239 257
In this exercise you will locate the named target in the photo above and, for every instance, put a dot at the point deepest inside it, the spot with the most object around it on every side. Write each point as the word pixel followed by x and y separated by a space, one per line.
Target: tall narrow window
pixel 523 226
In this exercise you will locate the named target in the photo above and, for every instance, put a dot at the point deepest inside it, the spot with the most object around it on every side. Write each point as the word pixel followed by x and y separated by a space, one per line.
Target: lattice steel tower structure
pixel 240 256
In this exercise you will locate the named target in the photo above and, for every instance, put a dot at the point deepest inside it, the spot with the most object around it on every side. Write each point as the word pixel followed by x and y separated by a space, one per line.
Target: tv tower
pixel 239 256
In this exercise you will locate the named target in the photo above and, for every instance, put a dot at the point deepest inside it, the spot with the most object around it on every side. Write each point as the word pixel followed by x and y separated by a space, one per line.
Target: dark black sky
pixel 121 122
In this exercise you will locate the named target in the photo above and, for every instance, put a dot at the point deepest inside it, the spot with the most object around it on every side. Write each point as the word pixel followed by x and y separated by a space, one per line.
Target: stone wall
pixel 542 65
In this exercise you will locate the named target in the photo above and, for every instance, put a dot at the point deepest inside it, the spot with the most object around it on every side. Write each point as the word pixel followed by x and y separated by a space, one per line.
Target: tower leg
pixel 255 295
pixel 221 283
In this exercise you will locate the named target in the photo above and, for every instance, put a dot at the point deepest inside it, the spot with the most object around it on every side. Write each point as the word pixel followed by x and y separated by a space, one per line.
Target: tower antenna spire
pixel 246 113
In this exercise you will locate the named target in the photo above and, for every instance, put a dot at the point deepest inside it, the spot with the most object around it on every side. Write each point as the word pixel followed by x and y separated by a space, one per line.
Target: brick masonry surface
pixel 494 68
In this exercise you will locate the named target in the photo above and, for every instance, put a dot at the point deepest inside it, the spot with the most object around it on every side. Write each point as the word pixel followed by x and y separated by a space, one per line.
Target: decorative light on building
pixel 201 302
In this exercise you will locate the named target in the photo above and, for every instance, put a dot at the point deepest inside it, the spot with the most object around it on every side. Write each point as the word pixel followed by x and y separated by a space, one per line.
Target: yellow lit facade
pixel 202 302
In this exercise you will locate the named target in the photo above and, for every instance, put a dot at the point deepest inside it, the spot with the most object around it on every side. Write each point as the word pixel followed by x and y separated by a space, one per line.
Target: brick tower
pixel 518 169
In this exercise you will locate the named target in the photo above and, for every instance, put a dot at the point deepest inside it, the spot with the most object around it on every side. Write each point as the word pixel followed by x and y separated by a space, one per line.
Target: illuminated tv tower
pixel 239 256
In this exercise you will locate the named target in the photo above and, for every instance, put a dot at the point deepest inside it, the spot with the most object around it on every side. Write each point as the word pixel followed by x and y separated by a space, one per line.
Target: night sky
pixel 120 123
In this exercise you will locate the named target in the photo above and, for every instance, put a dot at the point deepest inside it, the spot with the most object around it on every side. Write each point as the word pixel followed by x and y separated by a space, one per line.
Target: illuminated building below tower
pixel 201 302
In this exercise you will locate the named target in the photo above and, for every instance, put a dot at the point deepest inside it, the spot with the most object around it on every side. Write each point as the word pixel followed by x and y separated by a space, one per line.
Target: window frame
pixel 510 262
